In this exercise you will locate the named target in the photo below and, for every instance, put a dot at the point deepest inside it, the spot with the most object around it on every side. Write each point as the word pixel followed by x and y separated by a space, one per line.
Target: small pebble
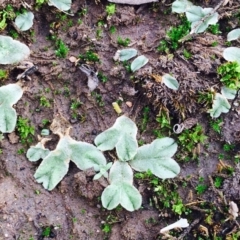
pixel 129 104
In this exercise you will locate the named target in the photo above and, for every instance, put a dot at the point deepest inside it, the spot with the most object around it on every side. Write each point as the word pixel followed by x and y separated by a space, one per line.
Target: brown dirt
pixel 73 210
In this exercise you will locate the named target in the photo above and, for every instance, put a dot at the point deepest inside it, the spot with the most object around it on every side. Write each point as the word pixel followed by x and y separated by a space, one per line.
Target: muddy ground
pixel 73 210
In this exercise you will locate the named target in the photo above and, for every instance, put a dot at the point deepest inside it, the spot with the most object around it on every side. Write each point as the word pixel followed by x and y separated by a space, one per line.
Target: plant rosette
pixel 156 157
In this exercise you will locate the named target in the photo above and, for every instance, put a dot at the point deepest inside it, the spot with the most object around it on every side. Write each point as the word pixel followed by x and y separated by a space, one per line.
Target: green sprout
pixel 3 74
pixel 102 77
pixel 230 73
pixel 218 182
pixel 25 130
pixel 201 188
pixel 216 125
pixel 110 9
pixel 214 29
pixel 189 140
pixel 62 49
pixel 174 34
pixel 112 29
pixel 44 102
pixel 123 42
pixel 89 56
pixel 6 14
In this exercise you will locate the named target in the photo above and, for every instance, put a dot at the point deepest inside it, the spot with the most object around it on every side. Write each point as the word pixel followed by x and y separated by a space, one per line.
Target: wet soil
pixel 73 210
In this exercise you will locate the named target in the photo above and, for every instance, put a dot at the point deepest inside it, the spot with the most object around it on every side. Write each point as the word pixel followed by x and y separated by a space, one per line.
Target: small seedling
pixel 218 182
pixel 102 77
pixel 45 122
pixel 46 232
pixel 228 147
pixel 39 3
pixel 206 98
pixel 25 130
pixel 123 42
pixel 201 188
pixel 190 139
pixel 98 98
pixel 187 54
pixel 20 151
pixel 217 125
pixel 14 34
pixel 110 9
pixel 214 29
pixel 62 49
pixel 5 15
pixel 174 35
pixel 44 102
pixel 3 74
pixel 89 56
pixel 112 29
pixel 163 119
pixel 230 73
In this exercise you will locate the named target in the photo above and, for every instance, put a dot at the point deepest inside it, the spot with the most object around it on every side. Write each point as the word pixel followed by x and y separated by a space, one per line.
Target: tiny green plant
pixel 61 49
pixel 123 42
pixel 112 29
pixel 89 56
pixel 25 130
pixel 3 74
pixel 174 34
pixel 5 15
pixel 201 188
pixel 163 119
pixel 216 125
pixel 44 102
pixel 75 104
pixel 46 232
pixel 102 77
pixel 228 147
pixel 98 98
pixel 189 140
pixel 218 182
pixel 39 3
pixel 110 9
pixel 187 54
pixel 214 29
pixel 230 74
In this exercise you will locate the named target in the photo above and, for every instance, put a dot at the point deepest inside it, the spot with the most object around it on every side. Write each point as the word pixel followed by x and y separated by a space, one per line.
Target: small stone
pixel 72 59
pixel 13 138
pixel 129 104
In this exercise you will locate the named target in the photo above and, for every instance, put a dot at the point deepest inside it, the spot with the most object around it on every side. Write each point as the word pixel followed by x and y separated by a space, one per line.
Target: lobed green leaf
pixel 121 135
pixel 12 51
pixel 220 105
pixel 156 157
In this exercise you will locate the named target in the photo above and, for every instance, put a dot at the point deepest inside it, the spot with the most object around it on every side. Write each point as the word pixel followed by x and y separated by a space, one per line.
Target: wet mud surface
pixel 73 210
